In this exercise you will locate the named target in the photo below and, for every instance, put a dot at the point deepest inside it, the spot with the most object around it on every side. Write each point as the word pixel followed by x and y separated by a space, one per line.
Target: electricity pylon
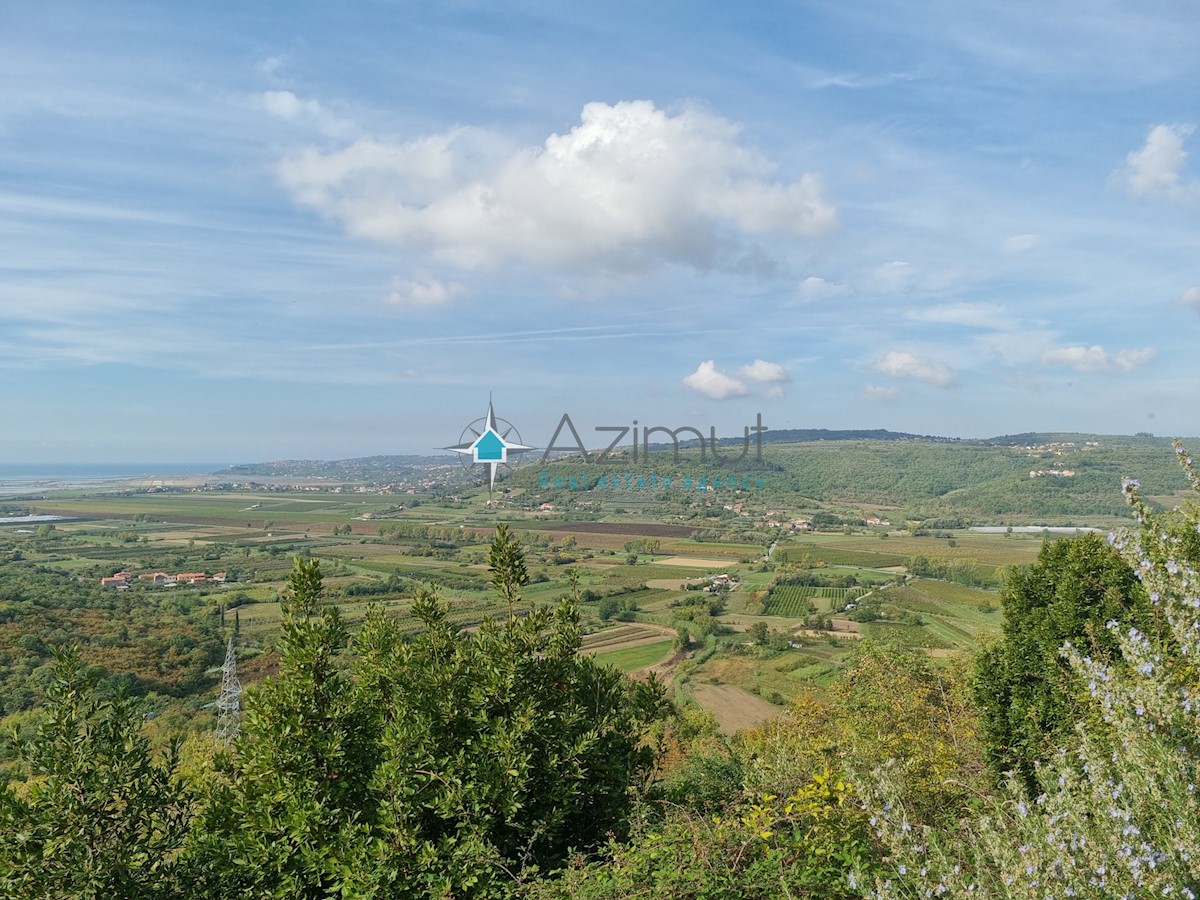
pixel 229 704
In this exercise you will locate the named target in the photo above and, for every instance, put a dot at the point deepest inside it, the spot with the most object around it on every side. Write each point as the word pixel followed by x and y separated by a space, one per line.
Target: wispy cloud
pixel 287 106
pixel 902 364
pixel 878 392
pixel 1020 243
pixel 424 293
pixel 974 315
pixel 816 288
pixel 1096 359
pixel 893 277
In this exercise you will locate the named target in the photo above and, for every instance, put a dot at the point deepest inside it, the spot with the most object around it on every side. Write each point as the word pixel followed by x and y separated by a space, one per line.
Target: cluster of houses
pixel 1058 448
pixel 1061 473
pixel 121 580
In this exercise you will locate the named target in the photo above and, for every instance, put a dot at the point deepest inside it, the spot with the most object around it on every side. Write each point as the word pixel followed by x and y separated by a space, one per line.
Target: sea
pixel 27 478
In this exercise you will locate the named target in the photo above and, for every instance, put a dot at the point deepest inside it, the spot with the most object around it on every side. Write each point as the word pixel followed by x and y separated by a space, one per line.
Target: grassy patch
pixel 634 658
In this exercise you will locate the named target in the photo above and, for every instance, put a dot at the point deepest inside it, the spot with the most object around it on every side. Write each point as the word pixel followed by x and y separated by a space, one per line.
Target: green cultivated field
pixel 254 536
pixel 634 658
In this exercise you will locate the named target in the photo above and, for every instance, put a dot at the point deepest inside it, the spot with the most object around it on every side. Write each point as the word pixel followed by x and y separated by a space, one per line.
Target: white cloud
pixel 287 106
pixel 1096 359
pixel 631 186
pixel 815 288
pixel 902 364
pixel 424 293
pixel 880 392
pixel 1155 169
pixel 1020 243
pixel 763 371
pixel 710 382
pixel 1191 297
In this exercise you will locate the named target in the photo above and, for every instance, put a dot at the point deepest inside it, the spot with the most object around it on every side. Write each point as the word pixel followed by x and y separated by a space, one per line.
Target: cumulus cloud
pixel 423 293
pixel 763 371
pixel 630 187
pixel 880 392
pixel 1096 359
pixel 287 106
pixel 712 382
pixel 815 288
pixel 1156 168
pixel 902 364
pixel 1191 297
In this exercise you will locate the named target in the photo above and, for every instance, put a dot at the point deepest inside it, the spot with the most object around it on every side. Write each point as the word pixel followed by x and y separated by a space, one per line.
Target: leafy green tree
pixel 285 821
pixel 101 815
pixel 1026 693
pixel 304 587
pixel 451 764
pixel 1113 812
pixel 506 562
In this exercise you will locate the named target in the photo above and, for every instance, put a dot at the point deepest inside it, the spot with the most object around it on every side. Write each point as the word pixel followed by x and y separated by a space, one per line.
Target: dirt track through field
pixel 734 708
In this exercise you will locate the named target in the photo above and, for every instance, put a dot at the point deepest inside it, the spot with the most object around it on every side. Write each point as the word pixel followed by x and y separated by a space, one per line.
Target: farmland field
pixel 790 600
pixel 692 562
pixel 734 708
pixel 253 536
pixel 636 529
pixel 631 659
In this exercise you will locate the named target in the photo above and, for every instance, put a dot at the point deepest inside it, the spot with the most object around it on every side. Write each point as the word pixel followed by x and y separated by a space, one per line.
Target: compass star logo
pixel 487 441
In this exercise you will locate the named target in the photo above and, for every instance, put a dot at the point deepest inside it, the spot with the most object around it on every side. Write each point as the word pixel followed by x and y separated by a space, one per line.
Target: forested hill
pixel 1070 479
pixel 366 467
pixel 799 435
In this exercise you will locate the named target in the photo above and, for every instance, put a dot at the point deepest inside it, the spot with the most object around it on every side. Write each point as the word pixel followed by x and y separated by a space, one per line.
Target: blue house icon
pixel 489 447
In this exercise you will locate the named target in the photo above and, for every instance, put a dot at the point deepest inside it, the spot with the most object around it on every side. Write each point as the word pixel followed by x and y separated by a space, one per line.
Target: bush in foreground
pixel 1116 815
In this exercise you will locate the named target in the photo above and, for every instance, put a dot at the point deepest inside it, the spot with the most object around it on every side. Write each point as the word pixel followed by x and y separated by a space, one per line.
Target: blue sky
pixel 269 230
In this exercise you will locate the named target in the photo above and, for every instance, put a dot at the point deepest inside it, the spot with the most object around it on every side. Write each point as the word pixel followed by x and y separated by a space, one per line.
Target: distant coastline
pixel 25 478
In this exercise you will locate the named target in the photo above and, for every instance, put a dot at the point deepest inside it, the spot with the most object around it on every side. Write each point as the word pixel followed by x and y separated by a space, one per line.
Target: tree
pixel 304 587
pixel 1024 686
pixel 452 764
pixel 103 815
pixel 284 820
pixel 506 562
pixel 1113 810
